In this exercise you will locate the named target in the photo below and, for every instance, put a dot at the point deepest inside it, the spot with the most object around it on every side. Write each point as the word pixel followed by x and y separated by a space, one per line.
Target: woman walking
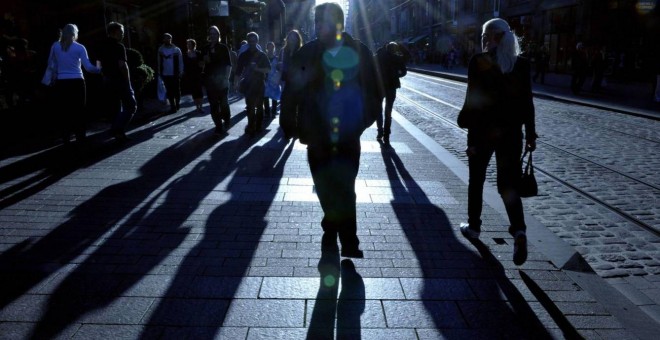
pixel 67 57
pixel 192 73
pixel 498 104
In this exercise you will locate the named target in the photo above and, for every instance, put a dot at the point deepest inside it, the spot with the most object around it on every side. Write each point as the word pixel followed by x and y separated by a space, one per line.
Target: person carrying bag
pixel 50 75
pixel 527 187
pixel 498 104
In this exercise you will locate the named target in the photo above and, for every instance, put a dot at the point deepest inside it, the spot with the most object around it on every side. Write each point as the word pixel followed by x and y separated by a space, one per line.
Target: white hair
pixel 508 48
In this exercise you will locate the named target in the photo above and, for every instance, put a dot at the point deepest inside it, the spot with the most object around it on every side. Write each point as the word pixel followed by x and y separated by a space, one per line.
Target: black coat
pixel 330 98
pixel 390 68
pixel 495 99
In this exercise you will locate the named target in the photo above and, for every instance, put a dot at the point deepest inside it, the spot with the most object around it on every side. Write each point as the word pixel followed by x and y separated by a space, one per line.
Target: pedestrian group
pixel 328 91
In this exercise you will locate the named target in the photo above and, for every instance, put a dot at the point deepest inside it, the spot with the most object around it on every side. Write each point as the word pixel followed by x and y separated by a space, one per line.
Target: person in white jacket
pixel 67 57
pixel 170 69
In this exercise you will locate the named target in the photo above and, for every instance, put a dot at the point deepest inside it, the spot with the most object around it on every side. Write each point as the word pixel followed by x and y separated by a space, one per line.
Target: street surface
pixel 608 156
pixel 184 234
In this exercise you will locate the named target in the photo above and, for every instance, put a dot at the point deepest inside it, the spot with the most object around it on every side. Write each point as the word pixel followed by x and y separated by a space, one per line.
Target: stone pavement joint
pixel 193 236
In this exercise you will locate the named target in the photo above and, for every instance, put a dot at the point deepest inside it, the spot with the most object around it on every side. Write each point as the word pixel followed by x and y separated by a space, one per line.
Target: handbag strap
pixel 529 168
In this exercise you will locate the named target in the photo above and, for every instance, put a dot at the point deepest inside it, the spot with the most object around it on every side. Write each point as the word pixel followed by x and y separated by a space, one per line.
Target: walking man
pixel 329 100
pixel 253 66
pixel 217 67
pixel 170 68
pixel 117 81
pixel 391 66
pixel 579 65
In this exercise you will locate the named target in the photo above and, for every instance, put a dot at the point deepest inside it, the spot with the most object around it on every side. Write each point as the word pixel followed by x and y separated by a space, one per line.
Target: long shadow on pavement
pixel 197 302
pixel 346 309
pixel 104 219
pixel 460 292
pixel 37 172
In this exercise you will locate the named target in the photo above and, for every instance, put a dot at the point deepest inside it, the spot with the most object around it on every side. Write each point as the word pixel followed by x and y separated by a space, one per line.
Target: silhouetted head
pixel 329 23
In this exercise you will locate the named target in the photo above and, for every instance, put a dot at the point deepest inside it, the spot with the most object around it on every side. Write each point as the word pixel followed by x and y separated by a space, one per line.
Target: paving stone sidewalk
pixel 183 234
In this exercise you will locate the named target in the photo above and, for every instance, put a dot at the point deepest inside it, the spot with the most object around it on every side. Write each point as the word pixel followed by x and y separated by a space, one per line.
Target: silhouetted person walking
pixel 498 103
pixel 253 66
pixel 117 81
pixel 391 65
pixel 217 68
pixel 170 68
pixel 192 75
pixel 68 56
pixel 542 61
pixel 579 65
pixel 329 99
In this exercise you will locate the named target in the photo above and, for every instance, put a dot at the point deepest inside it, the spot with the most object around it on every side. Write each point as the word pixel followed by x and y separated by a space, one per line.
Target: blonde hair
pixel 508 48
pixel 69 35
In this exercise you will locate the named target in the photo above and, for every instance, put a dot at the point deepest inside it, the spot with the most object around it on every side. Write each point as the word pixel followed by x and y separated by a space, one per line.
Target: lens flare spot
pixel 338 30
pixel 337 75
pixel 329 280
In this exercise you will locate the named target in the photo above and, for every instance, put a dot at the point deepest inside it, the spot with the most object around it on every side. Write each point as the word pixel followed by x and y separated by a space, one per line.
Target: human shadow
pixel 208 278
pixel 322 321
pixel 346 309
pixel 138 244
pixel 464 295
pixel 32 261
pixel 104 219
pixel 35 173
pixel 351 304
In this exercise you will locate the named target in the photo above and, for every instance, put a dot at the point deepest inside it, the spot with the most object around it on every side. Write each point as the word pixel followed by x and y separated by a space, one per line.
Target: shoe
pixel 469 233
pixel 227 124
pixel 519 248
pixel 218 131
pixel 329 242
pixel 355 253
pixel 121 137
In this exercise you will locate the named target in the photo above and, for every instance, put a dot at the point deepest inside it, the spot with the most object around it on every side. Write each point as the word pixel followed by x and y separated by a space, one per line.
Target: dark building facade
pixel 627 30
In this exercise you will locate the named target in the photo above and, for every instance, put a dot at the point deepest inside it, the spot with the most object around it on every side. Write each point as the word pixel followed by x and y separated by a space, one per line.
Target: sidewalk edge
pixel 560 253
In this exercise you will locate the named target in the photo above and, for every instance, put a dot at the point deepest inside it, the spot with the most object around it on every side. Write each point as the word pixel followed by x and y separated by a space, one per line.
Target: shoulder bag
pixel 527 186
pixel 50 75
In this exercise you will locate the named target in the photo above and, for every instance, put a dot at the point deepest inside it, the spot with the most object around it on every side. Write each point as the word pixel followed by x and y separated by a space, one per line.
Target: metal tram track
pixel 557 179
pixel 457 85
pixel 567 119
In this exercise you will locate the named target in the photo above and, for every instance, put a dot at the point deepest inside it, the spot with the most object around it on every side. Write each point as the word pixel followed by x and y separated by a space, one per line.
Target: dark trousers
pixel 270 106
pixel 173 88
pixel 384 125
pixel 540 72
pixel 71 97
pixel 577 81
pixel 121 102
pixel 255 111
pixel 334 170
pixel 219 105
pixel 507 146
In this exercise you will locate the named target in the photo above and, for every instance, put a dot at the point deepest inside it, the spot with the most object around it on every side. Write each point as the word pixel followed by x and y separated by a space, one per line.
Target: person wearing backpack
pixel 391 66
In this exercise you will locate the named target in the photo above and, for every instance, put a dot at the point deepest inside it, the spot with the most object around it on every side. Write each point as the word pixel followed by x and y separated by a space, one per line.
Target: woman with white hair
pixel 498 104
pixel 67 57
